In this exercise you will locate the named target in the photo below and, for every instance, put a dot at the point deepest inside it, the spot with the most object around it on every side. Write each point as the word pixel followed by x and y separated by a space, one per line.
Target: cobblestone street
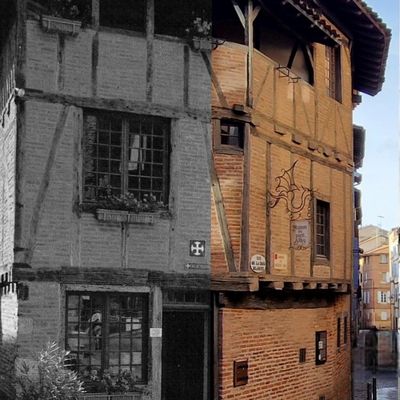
pixel 386 378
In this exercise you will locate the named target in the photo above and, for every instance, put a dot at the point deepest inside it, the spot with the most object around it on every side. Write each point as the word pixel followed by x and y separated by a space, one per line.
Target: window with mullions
pixel 108 331
pixel 232 133
pixel 333 72
pixel 322 223
pixel 126 154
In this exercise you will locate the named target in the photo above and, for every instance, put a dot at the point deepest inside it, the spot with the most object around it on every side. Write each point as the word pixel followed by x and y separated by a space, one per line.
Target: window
pixel 302 355
pixel 322 223
pixel 382 297
pixel 338 332
pixel 385 277
pixel 108 331
pixel 333 73
pixel 123 14
pixel 125 154
pixel 232 133
pixel 320 347
pixel 345 331
pixel 383 259
pixel 384 316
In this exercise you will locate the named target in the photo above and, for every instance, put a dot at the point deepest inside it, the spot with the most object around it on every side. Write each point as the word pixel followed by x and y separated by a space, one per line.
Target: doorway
pixel 184 355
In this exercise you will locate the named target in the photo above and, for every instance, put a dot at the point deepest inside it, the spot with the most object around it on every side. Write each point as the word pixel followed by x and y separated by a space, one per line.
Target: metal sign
pixel 197 248
pixel 258 264
pixel 301 234
pixel 197 266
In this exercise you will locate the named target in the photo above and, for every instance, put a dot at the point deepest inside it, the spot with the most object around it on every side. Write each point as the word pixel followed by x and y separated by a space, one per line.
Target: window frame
pixel 333 72
pixel 105 335
pixel 225 147
pixel 324 256
pixel 126 118
pixel 321 336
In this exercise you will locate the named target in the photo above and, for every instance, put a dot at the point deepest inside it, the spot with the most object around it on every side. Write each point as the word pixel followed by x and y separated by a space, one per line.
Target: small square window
pixel 232 133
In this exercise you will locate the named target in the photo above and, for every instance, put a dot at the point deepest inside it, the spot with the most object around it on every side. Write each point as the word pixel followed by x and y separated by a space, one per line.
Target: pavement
pixel 387 378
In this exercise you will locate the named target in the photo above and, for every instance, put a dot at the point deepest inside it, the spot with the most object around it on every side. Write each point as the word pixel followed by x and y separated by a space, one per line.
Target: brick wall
pixel 270 340
pixel 293 123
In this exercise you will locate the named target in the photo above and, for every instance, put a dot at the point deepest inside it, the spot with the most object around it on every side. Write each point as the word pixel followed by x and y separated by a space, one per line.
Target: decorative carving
pixel 296 198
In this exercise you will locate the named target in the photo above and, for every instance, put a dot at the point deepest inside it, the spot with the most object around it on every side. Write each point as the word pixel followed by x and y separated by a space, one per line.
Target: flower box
pixel 201 43
pixel 60 25
pixel 112 215
pixel 104 396
pixel 125 216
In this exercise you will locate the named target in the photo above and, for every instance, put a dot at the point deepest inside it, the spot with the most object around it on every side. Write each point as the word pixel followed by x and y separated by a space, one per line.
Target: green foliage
pixel 97 382
pixel 48 378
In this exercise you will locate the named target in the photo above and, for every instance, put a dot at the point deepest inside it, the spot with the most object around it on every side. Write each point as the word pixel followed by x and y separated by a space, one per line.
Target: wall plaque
pixel 280 261
pixel 301 234
pixel 155 332
pixel 258 264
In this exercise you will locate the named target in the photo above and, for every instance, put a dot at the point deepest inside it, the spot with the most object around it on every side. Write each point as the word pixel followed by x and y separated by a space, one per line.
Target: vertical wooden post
pixel 150 49
pixel 250 46
pixel 156 343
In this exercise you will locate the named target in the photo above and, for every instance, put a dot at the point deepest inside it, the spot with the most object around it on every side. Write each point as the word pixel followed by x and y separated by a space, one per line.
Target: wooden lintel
pixel 310 285
pixel 333 285
pixel 118 105
pixel 276 285
pixel 234 284
pixel 297 285
pixel 322 285
pixel 342 288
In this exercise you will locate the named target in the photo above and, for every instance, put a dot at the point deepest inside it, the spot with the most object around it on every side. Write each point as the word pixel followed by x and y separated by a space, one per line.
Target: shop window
pixel 125 155
pixel 322 226
pixel 108 331
pixel 231 134
pixel 123 14
pixel 333 78
pixel 320 347
pixel 176 17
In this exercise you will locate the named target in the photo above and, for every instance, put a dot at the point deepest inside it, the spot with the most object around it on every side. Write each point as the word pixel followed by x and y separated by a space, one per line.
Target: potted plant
pixel 127 208
pixel 66 16
pixel 99 385
pixel 200 34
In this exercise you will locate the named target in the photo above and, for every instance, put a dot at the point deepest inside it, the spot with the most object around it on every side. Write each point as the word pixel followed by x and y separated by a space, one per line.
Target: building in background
pixel 394 262
pixel 104 190
pixel 375 283
pixel 286 76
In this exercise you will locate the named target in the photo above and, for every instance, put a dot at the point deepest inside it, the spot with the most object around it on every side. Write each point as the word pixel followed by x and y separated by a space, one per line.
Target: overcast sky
pixel 379 115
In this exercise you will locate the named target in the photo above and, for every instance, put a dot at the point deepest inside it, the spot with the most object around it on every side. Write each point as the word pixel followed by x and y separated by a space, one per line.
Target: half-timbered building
pixel 104 190
pixel 286 76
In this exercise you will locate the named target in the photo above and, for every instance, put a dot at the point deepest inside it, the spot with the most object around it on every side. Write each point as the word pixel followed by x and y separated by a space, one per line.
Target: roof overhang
pixel 304 19
pixel 370 39
pixel 359 145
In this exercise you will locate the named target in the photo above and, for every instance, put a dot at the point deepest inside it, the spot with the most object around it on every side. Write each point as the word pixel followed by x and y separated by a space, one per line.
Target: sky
pixel 379 115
